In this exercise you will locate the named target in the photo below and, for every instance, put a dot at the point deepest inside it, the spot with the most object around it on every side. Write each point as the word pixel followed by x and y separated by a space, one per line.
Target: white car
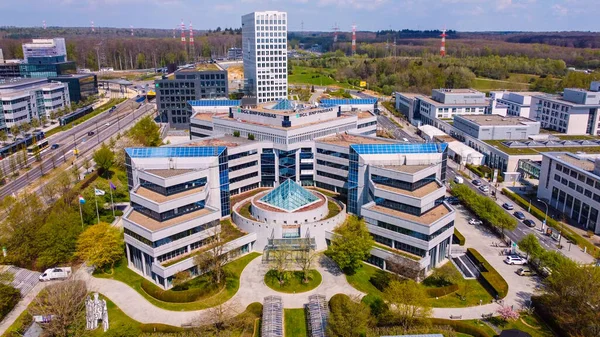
pixel 475 222
pixel 484 188
pixel 515 260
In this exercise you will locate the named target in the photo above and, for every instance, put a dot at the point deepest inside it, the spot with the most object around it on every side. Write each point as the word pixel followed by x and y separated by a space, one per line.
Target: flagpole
pixel 112 202
pixel 96 200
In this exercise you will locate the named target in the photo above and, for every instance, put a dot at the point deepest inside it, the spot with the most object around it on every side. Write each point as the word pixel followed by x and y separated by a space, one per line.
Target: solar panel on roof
pixel 165 152
pixel 346 101
pixel 216 102
pixel 399 148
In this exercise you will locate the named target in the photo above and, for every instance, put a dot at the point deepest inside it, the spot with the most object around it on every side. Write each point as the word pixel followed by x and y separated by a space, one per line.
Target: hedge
pixel 482 171
pixel 489 277
pixel 461 327
pixel 156 327
pixel 566 232
pixel 441 291
pixel 171 296
pixel 458 235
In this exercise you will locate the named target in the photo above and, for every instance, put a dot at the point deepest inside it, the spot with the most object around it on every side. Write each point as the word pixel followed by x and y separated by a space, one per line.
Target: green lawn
pixel 333 209
pixel 487 84
pixel 526 151
pixel 295 283
pixel 314 76
pixel 245 211
pixel 360 280
pixel 295 323
pixel 532 325
pixel 99 110
pixel 475 292
pixel 481 325
pixel 232 284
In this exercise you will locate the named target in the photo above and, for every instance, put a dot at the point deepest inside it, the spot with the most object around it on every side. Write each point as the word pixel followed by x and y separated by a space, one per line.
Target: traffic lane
pixel 396 131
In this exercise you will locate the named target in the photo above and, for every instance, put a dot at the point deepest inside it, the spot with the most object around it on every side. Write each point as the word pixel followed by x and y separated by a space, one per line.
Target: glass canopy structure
pixel 289 196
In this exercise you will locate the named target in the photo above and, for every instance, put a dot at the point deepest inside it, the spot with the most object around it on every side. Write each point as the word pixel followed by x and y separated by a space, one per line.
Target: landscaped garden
pixel 295 323
pixel 294 281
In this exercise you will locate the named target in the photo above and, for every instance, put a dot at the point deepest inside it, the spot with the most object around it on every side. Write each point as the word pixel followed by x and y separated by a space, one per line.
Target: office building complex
pixel 496 127
pixel 28 99
pixel 573 113
pixel 44 51
pixel 203 81
pixel 443 104
pixel 570 183
pixel 81 86
pixel 507 103
pixel 264 44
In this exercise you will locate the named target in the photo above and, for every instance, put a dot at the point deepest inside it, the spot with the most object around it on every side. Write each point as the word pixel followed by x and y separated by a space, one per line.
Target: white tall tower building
pixel 264 44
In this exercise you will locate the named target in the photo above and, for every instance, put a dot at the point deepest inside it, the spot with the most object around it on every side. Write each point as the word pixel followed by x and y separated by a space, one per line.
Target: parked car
pixel 484 188
pixel 476 182
pixel 56 274
pixel 453 200
pixel 515 260
pixel 525 272
pixel 54 146
pixel 529 223
pixel 474 222
pixel 91 133
pixel 458 180
pixel 508 206
pixel 519 215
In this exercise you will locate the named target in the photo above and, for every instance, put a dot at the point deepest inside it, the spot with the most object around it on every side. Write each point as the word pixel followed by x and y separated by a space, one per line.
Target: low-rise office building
pixel 496 127
pixel 27 99
pixel 506 103
pixel 573 113
pixel 570 183
pixel 204 81
pixel 81 86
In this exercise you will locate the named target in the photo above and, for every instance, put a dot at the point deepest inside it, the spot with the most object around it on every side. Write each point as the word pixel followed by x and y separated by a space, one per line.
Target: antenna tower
pixel 335 33
pixel 183 34
pixel 93 28
pixel 131 27
pixel 443 46
pixel 353 39
pixel 44 24
pixel 174 29
pixel 192 46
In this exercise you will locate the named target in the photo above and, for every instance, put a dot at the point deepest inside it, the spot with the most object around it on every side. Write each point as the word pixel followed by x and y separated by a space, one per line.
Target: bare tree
pixel 87 165
pixel 214 258
pixel 405 267
pixel 218 321
pixel 305 258
pixel 65 302
pixel 63 182
pixel 49 191
pixel 280 262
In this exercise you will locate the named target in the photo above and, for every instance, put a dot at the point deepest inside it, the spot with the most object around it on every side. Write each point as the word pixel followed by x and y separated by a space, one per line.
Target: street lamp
pixel 546 218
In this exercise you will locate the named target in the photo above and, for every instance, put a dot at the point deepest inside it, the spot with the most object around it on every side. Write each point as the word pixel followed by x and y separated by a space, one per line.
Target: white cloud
pixel 559 10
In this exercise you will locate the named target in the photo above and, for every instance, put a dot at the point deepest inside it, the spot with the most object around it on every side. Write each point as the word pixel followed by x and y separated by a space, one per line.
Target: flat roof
pixel 427 218
pixel 153 225
pixel 406 168
pixel 168 173
pixel 458 91
pixel 158 198
pixel 202 67
pixel 207 116
pixel 226 117
pixel 539 150
pixel 228 141
pixel 586 164
pixel 22 82
pixel 344 139
pixel 559 99
pixel 364 114
pixel 436 103
pixel 418 193
pixel 490 120
pixel 269 107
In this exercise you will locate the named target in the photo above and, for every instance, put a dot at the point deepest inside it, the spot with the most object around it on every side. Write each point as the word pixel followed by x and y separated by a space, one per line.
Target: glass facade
pixel 224 183
pixel 289 196
pixel 267 165
pixel 287 165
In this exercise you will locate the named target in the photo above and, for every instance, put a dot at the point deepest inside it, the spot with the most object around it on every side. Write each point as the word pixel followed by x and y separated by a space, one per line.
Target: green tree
pixel 57 237
pixel 347 318
pixel 530 245
pixel 351 244
pixel 100 245
pixel 206 52
pixel 3 136
pixel 104 158
pixel 140 61
pixel 146 132
pixel 35 123
pixel 9 297
pixel 410 301
pixel 14 130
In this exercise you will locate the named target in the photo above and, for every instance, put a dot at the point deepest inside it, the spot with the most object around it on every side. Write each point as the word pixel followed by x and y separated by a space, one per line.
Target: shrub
pixel 460 326
pixel 255 309
pixel 250 136
pixel 489 277
pixel 9 297
pixel 459 237
pixel 236 133
pixel 337 300
pixel 381 280
pixel 171 296
pixel 377 305
pixel 118 212
pixel 441 291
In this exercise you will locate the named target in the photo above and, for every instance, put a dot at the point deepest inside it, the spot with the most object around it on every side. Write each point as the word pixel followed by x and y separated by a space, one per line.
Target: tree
pixel 75 172
pixel 218 321
pixel 100 245
pixel 9 297
pixel 104 158
pixel 250 136
pixel 348 317
pixel 351 244
pixel 214 258
pixel 63 183
pixel 507 313
pixel 14 130
pixel 57 237
pixel 280 263
pixel 181 277
pixel 236 133
pixel 530 245
pixel 44 120
pixel 405 267
pixel 3 136
pixel 305 258
pixel 410 301
pixel 12 164
pixel 35 123
pixel 87 165
pixel 65 301
pixel 146 132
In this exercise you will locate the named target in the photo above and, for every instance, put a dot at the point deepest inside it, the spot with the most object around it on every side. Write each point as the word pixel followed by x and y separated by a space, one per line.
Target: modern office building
pixel 27 99
pixel 45 51
pixel 81 86
pixel 264 44
pixel 496 127
pixel 203 81
pixel 570 183
pixel 508 103
pixel 234 53
pixel 443 104
pixel 573 113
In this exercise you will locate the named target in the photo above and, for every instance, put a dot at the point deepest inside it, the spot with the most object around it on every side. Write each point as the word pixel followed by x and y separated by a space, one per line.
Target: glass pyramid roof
pixel 289 196
pixel 283 104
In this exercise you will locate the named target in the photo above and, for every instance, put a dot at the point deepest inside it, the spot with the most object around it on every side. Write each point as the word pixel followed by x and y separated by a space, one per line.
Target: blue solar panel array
pixel 166 152
pixel 399 148
pixel 346 101
pixel 216 102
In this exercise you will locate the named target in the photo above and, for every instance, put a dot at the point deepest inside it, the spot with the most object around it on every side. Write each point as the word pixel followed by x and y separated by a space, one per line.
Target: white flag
pixel 98 192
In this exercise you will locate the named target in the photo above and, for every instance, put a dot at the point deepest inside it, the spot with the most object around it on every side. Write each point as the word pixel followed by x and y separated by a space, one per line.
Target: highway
pixel 103 128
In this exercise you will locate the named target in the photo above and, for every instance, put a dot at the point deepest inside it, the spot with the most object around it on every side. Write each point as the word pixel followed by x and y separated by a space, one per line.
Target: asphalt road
pixel 384 122
pixel 104 129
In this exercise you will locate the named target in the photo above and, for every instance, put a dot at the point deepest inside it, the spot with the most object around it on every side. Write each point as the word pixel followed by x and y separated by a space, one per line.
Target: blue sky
pixel 463 15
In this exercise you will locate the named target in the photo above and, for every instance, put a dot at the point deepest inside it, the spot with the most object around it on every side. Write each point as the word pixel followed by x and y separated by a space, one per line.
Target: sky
pixel 312 15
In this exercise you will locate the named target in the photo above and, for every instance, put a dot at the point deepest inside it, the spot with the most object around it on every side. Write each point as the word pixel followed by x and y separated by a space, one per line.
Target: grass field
pixel 314 76
pixel 360 280
pixel 295 323
pixel 295 283
pixel 487 84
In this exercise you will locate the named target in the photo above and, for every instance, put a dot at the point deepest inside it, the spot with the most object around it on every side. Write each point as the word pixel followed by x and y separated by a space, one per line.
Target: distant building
pixel 1 56
pixel 264 41
pixel 81 86
pixel 443 104
pixel 496 127
pixel 234 53
pixel 205 81
pixel 573 113
pixel 507 103
pixel 27 99
pixel 45 51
